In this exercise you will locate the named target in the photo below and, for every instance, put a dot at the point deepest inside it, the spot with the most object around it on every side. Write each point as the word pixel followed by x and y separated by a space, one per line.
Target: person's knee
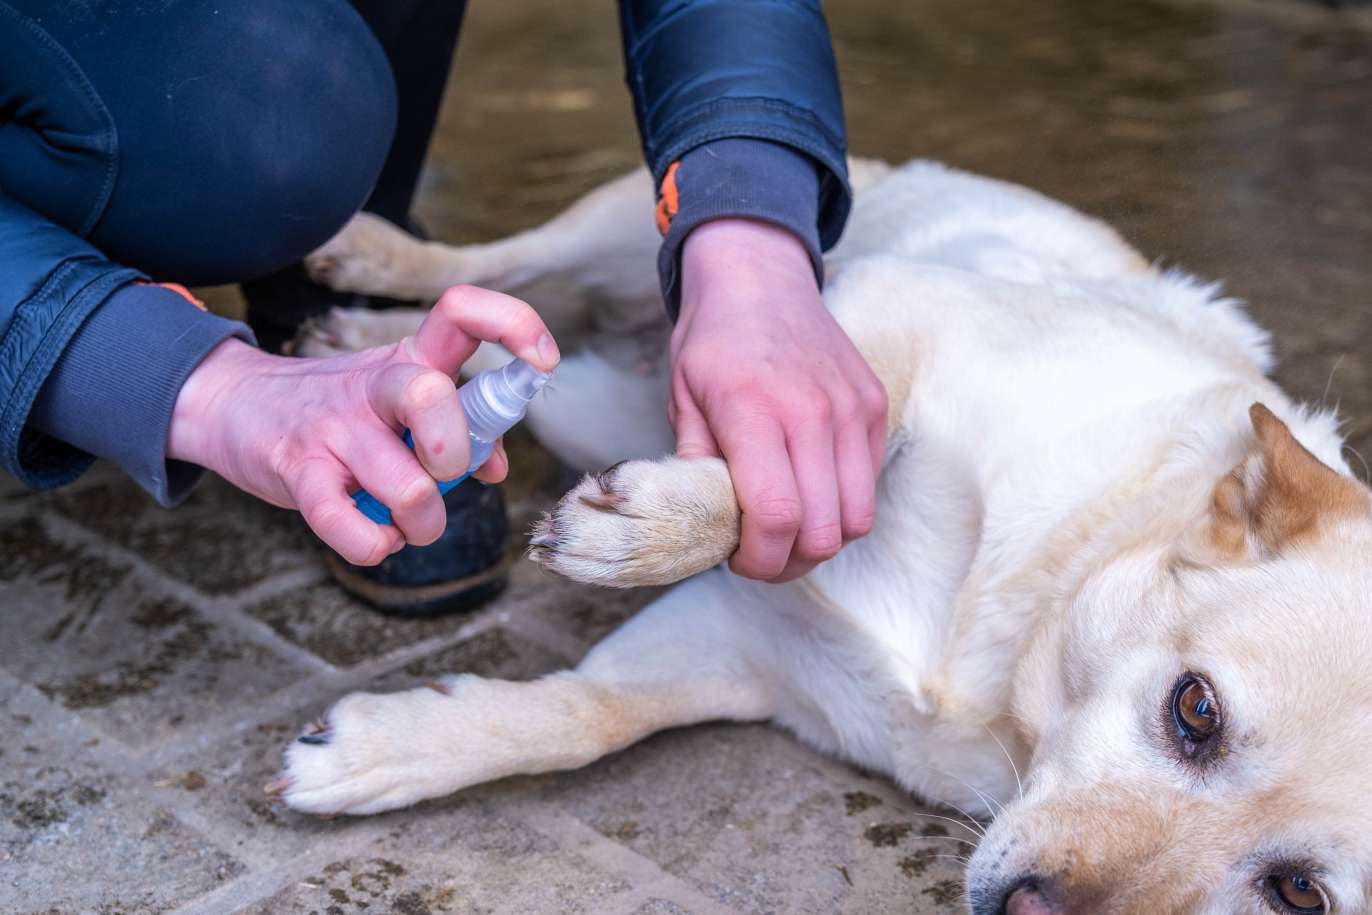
pixel 268 135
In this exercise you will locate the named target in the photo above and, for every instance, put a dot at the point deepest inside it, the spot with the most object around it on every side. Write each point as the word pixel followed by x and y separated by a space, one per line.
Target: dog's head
pixel 1204 724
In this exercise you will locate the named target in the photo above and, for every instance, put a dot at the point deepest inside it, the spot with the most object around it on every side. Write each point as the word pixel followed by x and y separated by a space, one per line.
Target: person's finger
pixel 320 492
pixel 465 315
pixel 876 448
pixel 409 396
pixel 754 446
pixel 497 466
pixel 391 473
pixel 872 394
pixel 856 480
pixel 693 435
pixel 810 444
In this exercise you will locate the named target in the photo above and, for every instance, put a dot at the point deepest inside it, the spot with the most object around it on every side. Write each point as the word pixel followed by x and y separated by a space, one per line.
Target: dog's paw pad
pixel 565 540
pixel 350 761
pixel 639 523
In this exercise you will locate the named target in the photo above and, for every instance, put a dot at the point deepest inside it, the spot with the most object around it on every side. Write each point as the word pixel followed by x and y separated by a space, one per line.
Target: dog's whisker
pixel 950 839
pixel 1019 785
pixel 984 799
pixel 956 822
pixel 963 858
pixel 1366 471
pixel 990 802
pixel 978 828
pixel 1324 398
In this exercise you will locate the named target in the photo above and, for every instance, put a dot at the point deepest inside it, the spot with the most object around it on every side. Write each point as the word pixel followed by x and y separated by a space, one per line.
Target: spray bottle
pixel 494 401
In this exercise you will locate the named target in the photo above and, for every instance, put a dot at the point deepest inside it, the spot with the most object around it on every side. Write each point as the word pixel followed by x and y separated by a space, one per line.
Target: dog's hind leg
pixel 591 267
pixel 597 255
pixel 694 655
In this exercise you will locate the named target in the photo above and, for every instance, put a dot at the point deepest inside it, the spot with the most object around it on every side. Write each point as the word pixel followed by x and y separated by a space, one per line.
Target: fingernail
pixel 398 547
pixel 547 350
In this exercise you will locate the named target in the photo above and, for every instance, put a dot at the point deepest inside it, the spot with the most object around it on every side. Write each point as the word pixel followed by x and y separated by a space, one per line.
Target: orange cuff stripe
pixel 667 199
pixel 179 290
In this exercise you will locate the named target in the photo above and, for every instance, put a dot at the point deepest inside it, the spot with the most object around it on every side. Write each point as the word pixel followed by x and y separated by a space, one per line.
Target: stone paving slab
pixel 488 864
pixel 323 619
pixel 220 540
pixel 76 835
pixel 223 782
pixel 94 638
pixel 770 826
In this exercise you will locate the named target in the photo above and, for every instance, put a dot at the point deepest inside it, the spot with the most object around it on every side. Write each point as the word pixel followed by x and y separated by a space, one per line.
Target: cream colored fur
pixel 1055 545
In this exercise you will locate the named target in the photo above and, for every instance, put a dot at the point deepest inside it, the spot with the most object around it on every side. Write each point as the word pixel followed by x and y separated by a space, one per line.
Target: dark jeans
pixel 248 131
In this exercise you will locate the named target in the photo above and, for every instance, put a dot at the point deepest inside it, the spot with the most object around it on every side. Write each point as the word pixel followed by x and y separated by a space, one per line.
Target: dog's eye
pixel 1195 712
pixel 1297 893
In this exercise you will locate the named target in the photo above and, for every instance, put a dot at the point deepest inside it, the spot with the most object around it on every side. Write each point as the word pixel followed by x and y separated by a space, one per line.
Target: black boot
pixel 467 566
pixel 280 303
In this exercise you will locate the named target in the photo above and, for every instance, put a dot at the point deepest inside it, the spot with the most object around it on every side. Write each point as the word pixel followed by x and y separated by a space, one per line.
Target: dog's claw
pixel 316 733
pixel 277 786
pixel 603 501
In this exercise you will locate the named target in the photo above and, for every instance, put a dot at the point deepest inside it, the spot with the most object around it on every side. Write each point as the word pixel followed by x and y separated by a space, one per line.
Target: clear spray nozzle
pixel 523 380
pixel 493 401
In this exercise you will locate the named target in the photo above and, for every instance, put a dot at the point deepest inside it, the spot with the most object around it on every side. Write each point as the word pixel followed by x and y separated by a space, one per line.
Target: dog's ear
pixel 1277 496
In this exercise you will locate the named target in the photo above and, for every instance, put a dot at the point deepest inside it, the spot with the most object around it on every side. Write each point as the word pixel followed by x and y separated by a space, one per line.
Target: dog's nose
pixel 1033 897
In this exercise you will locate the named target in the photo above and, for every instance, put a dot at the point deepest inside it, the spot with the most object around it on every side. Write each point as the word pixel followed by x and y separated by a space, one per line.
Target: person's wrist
pixel 193 434
pixel 736 254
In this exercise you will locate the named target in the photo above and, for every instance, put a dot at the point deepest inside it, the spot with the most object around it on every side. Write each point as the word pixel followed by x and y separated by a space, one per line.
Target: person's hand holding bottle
pixel 306 433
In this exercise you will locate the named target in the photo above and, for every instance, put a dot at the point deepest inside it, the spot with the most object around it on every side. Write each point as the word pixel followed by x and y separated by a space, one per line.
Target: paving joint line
pixel 645 875
pixel 217 609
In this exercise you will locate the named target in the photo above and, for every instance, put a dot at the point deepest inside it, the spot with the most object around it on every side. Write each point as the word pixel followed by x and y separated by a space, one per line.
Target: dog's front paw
pixel 641 523
pixel 373 752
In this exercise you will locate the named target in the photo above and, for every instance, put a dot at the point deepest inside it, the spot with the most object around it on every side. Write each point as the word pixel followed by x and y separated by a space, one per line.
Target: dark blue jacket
pixel 753 79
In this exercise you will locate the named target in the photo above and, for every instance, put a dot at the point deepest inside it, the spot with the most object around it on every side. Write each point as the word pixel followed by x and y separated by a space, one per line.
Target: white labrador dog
pixel 1117 577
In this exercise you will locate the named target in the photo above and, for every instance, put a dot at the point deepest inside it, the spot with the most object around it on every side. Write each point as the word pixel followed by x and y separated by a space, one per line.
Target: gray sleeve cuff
pixel 112 391
pixel 738 177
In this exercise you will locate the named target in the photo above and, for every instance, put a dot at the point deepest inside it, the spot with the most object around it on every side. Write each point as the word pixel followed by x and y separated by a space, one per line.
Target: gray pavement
pixel 153 663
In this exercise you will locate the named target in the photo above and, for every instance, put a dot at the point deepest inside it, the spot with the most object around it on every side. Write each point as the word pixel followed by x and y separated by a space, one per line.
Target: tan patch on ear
pixel 1228 531
pixel 1280 495
pixel 1298 488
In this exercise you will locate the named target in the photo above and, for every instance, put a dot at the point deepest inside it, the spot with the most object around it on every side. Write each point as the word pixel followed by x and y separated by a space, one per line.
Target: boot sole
pixel 443 598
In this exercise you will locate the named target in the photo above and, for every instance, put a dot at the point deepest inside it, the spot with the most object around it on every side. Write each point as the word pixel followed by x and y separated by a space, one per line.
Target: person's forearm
pixel 723 257
pixel 700 70
pixel 194 434
pixel 112 392
pixel 738 179
pixel 704 74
